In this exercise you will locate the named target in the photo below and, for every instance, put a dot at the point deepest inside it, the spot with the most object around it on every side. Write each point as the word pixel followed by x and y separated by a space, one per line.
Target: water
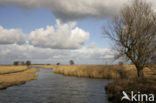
pixel 56 88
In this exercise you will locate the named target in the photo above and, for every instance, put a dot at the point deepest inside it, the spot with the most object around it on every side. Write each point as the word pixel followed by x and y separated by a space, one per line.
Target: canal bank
pixel 54 88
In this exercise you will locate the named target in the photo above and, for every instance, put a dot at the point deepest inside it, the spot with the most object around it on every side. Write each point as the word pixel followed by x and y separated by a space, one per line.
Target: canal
pixel 55 88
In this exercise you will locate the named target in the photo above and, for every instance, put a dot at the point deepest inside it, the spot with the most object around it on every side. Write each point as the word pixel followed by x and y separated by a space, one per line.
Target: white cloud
pixel 11 36
pixel 92 45
pixel 61 36
pixel 67 10
pixel 13 52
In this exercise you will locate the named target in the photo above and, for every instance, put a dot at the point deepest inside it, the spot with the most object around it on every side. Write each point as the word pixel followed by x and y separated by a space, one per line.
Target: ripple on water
pixel 56 88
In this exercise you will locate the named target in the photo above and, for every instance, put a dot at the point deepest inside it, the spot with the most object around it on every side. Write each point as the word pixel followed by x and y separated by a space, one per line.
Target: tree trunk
pixel 140 73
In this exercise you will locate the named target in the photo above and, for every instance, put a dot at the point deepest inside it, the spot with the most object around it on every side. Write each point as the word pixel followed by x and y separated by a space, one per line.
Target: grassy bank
pixel 17 78
pixel 144 86
pixel 98 71
pixel 11 69
pixel 124 78
pixel 114 89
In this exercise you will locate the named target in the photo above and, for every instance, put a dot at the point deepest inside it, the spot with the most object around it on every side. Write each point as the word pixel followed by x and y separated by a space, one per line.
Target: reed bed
pixel 98 71
pixel 124 77
pixel 144 86
pixel 11 69
pixel 17 78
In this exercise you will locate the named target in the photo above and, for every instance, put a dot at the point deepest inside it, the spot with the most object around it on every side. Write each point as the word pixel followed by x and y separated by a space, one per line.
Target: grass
pixel 11 69
pixel 99 71
pixel 15 75
pixel 144 86
pixel 114 89
pixel 124 78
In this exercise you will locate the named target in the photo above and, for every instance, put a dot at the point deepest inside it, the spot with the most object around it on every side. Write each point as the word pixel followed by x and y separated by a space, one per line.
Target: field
pixel 15 75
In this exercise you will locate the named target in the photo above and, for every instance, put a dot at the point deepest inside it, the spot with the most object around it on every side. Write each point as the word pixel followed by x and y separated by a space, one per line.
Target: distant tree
pixel 22 63
pixel 28 63
pixel 133 32
pixel 71 62
pixel 120 63
pixel 57 63
pixel 16 63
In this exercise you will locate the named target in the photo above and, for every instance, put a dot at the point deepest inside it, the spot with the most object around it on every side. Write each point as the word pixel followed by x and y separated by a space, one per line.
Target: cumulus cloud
pixel 11 36
pixel 61 36
pixel 67 10
pixel 85 55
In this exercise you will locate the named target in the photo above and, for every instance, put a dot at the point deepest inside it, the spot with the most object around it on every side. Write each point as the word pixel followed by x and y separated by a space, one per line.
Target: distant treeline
pixel 22 63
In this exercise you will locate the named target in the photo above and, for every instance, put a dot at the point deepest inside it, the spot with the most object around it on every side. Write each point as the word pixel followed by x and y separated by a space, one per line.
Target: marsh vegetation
pixel 15 75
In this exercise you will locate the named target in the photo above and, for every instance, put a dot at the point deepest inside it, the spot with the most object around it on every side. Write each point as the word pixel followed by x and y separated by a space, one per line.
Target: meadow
pixel 15 75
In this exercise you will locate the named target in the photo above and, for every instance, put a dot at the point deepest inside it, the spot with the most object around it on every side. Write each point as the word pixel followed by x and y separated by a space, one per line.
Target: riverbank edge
pixel 123 81
pixel 15 71
pixel 6 84
pixel 118 84
pixel 115 89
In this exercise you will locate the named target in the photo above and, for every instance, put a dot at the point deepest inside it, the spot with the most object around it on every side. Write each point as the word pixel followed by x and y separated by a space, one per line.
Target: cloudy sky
pixel 51 31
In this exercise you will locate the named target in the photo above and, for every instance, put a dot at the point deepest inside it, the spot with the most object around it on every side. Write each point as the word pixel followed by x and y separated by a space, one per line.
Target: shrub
pixel 57 63
pixel 16 62
pixel 28 63
pixel 71 62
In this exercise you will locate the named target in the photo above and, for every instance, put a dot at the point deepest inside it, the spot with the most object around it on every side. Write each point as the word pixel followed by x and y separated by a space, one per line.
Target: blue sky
pixel 29 20
pixel 51 31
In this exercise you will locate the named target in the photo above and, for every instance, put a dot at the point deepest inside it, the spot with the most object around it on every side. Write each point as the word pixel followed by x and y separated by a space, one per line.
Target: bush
pixel 16 62
pixel 121 63
pixel 57 63
pixel 71 62
pixel 28 63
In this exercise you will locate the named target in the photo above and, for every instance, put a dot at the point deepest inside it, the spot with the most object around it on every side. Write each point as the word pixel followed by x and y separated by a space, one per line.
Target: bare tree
pixel 133 32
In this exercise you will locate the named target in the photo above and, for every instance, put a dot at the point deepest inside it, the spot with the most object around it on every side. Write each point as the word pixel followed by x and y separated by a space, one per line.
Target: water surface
pixel 56 88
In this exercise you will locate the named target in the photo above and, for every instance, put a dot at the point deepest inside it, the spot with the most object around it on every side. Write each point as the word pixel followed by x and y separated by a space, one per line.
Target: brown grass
pixel 114 89
pixel 99 71
pixel 144 86
pixel 11 69
pixel 124 76
pixel 17 78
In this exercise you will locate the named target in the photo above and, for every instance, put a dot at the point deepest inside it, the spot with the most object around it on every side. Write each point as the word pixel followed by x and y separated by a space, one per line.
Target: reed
pixel 98 71
pixel 11 69
pixel 13 75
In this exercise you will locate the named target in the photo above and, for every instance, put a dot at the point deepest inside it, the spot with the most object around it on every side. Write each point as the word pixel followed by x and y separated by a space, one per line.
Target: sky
pixel 52 31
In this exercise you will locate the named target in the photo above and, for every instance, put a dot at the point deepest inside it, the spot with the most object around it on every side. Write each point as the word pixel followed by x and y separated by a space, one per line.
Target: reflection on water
pixel 55 88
